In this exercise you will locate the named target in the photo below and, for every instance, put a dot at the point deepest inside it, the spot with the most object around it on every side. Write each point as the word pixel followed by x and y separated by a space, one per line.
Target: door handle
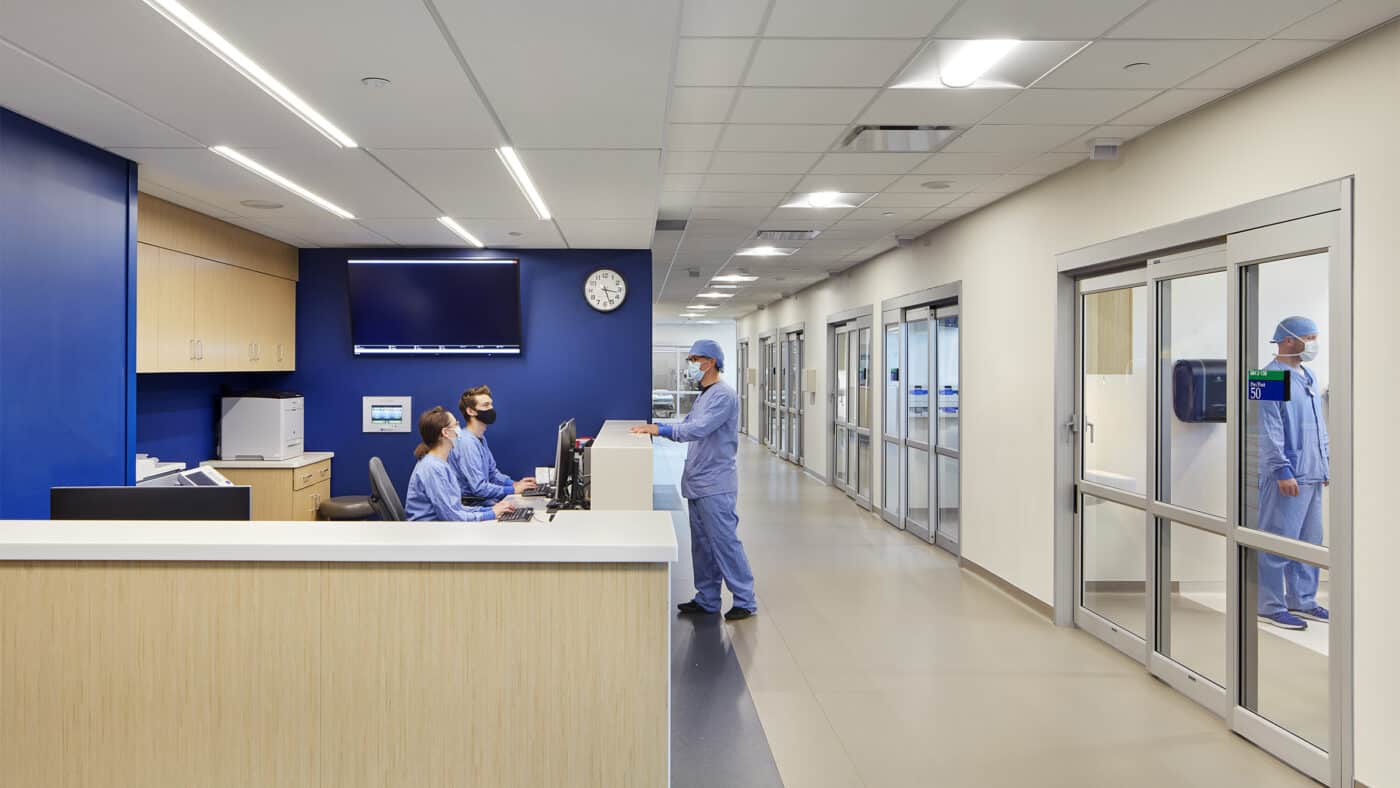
pixel 200 344
pixel 192 355
pixel 250 351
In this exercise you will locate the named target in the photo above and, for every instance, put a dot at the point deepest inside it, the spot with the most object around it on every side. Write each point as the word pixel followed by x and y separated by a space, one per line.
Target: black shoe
pixel 692 608
pixel 739 614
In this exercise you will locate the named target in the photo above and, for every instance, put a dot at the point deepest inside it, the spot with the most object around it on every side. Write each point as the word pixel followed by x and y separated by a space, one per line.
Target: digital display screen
pixel 386 414
pixel 435 306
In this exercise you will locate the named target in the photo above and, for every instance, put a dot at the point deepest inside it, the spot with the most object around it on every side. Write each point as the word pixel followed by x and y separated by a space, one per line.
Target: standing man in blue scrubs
pixel 471 458
pixel 710 485
pixel 1293 469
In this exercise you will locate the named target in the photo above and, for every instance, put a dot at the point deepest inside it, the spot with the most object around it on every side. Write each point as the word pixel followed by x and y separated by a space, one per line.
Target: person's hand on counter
pixel 503 506
pixel 525 485
pixel 646 429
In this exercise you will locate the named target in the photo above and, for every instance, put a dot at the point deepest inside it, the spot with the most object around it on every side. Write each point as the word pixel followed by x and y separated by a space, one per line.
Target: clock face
pixel 605 290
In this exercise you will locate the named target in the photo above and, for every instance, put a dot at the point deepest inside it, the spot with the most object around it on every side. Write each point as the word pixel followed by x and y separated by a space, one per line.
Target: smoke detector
pixel 899 139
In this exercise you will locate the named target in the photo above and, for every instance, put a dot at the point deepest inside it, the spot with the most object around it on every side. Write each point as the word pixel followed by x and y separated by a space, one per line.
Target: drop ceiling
pixel 716 112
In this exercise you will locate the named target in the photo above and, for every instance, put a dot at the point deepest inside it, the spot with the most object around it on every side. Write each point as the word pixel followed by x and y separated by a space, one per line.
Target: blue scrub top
pixel 1293 441
pixel 712 426
pixel 434 496
pixel 475 468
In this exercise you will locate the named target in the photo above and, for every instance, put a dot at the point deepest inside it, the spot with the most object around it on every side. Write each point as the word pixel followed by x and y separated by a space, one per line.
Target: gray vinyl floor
pixel 875 661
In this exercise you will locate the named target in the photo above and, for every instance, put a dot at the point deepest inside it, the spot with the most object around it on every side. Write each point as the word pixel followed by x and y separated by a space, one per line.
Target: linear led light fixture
pixel 690 314
pixel 310 196
pixel 195 28
pixel 974 60
pixel 829 200
pixel 715 295
pixel 724 287
pixel 522 179
pixel 694 307
pixel 460 231
pixel 734 278
pixel 765 251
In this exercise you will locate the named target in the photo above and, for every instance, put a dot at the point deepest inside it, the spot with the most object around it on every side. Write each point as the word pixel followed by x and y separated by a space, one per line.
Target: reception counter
pixel 292 654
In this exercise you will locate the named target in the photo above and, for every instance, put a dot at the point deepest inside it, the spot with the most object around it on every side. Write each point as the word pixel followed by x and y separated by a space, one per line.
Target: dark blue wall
pixel 576 362
pixel 67 319
pixel 177 413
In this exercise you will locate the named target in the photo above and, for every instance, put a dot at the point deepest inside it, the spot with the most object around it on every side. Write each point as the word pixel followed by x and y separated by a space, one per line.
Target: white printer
pixel 262 426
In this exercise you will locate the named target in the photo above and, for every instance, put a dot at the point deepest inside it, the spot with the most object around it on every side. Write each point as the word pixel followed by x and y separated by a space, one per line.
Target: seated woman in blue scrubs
pixel 471 457
pixel 433 492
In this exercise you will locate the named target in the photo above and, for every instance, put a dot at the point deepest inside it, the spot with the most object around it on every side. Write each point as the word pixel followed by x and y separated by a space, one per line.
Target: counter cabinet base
pixel 333 674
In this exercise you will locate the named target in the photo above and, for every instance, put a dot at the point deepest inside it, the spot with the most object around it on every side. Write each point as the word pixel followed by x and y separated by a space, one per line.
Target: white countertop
pixel 300 461
pixel 573 537
pixel 617 434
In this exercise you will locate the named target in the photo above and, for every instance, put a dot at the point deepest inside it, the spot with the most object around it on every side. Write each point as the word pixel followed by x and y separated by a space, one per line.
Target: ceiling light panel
pixel 750 162
pixel 1100 65
pixel 460 231
pixel 692 136
pixel 700 105
pixel 828 200
pixel 995 64
pixel 1168 105
pixel 735 278
pixel 282 181
pixel 822 182
pixel 1084 19
pixel 868 163
pixel 711 62
pixel 721 17
pixel 212 40
pixel 827 62
pixel 989 138
pixel 517 171
pixel 714 295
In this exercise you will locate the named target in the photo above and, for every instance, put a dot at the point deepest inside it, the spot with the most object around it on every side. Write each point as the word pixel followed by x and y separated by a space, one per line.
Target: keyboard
pixel 543 491
pixel 525 514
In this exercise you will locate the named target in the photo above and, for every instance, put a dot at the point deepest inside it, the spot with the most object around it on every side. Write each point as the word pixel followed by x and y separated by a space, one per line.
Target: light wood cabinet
pixel 283 493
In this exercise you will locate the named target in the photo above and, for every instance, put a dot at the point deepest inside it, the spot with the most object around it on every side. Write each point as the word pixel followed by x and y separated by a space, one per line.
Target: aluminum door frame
pixel 892 318
pixel 794 410
pixel 953 546
pixel 835 321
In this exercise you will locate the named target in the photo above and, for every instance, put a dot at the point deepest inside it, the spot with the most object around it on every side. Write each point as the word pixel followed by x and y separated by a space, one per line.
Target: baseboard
pixel 1359 784
pixel 1123 586
pixel 753 438
pixel 1034 604
pixel 815 476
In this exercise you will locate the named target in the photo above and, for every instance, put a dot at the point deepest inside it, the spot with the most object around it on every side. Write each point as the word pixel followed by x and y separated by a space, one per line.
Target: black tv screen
pixel 435 306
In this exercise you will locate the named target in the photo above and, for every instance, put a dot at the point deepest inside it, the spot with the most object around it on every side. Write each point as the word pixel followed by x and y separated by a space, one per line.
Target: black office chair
pixel 383 497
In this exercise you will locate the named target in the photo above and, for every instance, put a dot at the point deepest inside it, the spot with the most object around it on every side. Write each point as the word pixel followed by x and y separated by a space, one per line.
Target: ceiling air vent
pixel 899 139
pixel 670 225
pixel 787 235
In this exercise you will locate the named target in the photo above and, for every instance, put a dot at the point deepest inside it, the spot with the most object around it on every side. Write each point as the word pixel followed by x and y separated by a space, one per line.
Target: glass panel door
pixel 917 421
pixel 744 388
pixel 853 465
pixel 947 414
pixel 793 362
pixel 892 473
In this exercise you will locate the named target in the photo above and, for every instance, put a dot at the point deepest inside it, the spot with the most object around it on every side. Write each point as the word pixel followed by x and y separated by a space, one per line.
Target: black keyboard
pixel 519 515
pixel 545 491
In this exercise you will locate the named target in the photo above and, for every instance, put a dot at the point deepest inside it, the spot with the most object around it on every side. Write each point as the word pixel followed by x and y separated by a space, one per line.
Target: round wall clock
pixel 605 290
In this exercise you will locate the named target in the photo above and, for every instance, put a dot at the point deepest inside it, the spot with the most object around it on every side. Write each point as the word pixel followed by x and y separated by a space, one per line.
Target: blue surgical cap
pixel 1296 326
pixel 709 349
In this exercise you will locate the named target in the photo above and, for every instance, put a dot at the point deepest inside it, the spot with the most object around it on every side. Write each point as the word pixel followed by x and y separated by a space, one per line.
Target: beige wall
pixel 1333 117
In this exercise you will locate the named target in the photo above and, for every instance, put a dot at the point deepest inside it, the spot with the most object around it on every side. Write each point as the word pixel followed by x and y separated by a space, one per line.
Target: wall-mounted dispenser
pixel 1198 390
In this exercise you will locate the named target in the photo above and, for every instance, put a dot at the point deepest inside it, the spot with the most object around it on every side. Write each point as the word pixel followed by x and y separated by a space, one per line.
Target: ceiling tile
pixel 607 233
pixel 1344 19
pixel 750 182
pixel 869 163
pixel 1257 62
pixel 463 183
pixel 542 71
pixel 596 184
pixel 972 163
pixel 1009 183
pixel 950 212
pixel 1068 106
pixel 841 18
pixel 753 214
pixel 37 90
pixel 887 214
pixel 974 200
pixel 739 199
pixel 1214 19
pixel 828 63
pixel 1167 106
pixel 805 218
pixel 800 105
pixel 682 182
pixel 712 61
pixel 948 107
pixel 154 189
pixel 988 138
pixel 692 136
pixel 779 137
pixel 1049 163
pixel 820 182
pixel 687 161
pixel 1101 64
pixel 677 201
pixel 724 161
pixel 721 17
pixel 1077 20
pixel 352 179
pixel 1080 145
pixel 700 105
pixel 926 199
pixel 495 233
pixel 957 183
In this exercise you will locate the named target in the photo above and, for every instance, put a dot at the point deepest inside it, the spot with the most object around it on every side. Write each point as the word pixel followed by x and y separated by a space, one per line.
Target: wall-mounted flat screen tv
pixel 435 307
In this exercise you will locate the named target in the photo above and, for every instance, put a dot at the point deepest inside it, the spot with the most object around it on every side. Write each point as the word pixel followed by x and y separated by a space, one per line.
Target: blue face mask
pixel 693 373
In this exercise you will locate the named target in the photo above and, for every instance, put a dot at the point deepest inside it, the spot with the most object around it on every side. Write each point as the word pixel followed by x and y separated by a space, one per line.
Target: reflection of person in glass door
pixel 1293 469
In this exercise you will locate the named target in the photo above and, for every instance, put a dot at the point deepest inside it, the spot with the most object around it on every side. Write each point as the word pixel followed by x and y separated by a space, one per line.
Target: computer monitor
pixel 564 463
pixel 151 503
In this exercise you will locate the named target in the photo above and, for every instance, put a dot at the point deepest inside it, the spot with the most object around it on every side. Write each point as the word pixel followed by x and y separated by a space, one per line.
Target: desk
pixel 356 654
pixel 620 468
pixel 282 489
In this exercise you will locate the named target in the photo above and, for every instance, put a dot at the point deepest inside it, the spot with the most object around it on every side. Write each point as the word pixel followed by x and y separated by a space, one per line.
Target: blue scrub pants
pixel 1285 584
pixel 717 554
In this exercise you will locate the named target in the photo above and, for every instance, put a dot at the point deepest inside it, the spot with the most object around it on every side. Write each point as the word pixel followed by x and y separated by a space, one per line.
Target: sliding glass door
pixel 851 392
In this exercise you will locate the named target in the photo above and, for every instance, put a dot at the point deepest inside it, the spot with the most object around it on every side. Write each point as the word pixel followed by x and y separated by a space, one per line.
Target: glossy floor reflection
pixel 876 661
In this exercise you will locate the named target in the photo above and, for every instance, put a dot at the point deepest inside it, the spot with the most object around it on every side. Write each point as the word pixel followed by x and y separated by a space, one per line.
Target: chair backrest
pixel 383 497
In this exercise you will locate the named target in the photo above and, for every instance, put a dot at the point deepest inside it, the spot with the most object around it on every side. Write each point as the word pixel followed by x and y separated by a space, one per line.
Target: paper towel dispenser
pixel 1198 390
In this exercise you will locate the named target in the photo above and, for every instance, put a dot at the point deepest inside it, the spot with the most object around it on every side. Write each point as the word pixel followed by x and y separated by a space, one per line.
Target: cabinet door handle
pixel 192 355
pixel 257 351
pixel 250 351
pixel 199 343
pixel 279 351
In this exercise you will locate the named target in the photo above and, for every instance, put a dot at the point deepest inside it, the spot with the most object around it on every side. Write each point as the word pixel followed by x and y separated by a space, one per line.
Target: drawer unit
pixel 288 490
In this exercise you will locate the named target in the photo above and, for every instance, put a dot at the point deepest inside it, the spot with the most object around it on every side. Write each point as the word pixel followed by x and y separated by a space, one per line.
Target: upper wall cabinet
pixel 211 297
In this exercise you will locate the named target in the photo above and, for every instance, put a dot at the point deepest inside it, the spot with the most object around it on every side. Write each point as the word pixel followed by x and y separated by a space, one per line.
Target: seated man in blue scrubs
pixel 471 459
pixel 433 493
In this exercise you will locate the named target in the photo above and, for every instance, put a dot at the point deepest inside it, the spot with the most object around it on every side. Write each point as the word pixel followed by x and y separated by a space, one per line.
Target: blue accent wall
pixel 576 362
pixel 67 342
pixel 177 413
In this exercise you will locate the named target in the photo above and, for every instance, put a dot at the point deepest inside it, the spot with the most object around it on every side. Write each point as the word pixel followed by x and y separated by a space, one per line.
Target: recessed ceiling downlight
pixel 262 205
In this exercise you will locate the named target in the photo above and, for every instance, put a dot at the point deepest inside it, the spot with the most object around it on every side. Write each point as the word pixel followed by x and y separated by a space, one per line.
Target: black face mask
pixel 486 416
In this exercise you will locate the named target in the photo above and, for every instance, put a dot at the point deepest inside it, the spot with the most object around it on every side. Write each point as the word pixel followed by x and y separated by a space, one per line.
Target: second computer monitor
pixel 564 462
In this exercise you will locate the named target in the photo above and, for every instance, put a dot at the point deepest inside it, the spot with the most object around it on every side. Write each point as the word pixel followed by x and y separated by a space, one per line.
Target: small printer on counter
pixel 262 425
